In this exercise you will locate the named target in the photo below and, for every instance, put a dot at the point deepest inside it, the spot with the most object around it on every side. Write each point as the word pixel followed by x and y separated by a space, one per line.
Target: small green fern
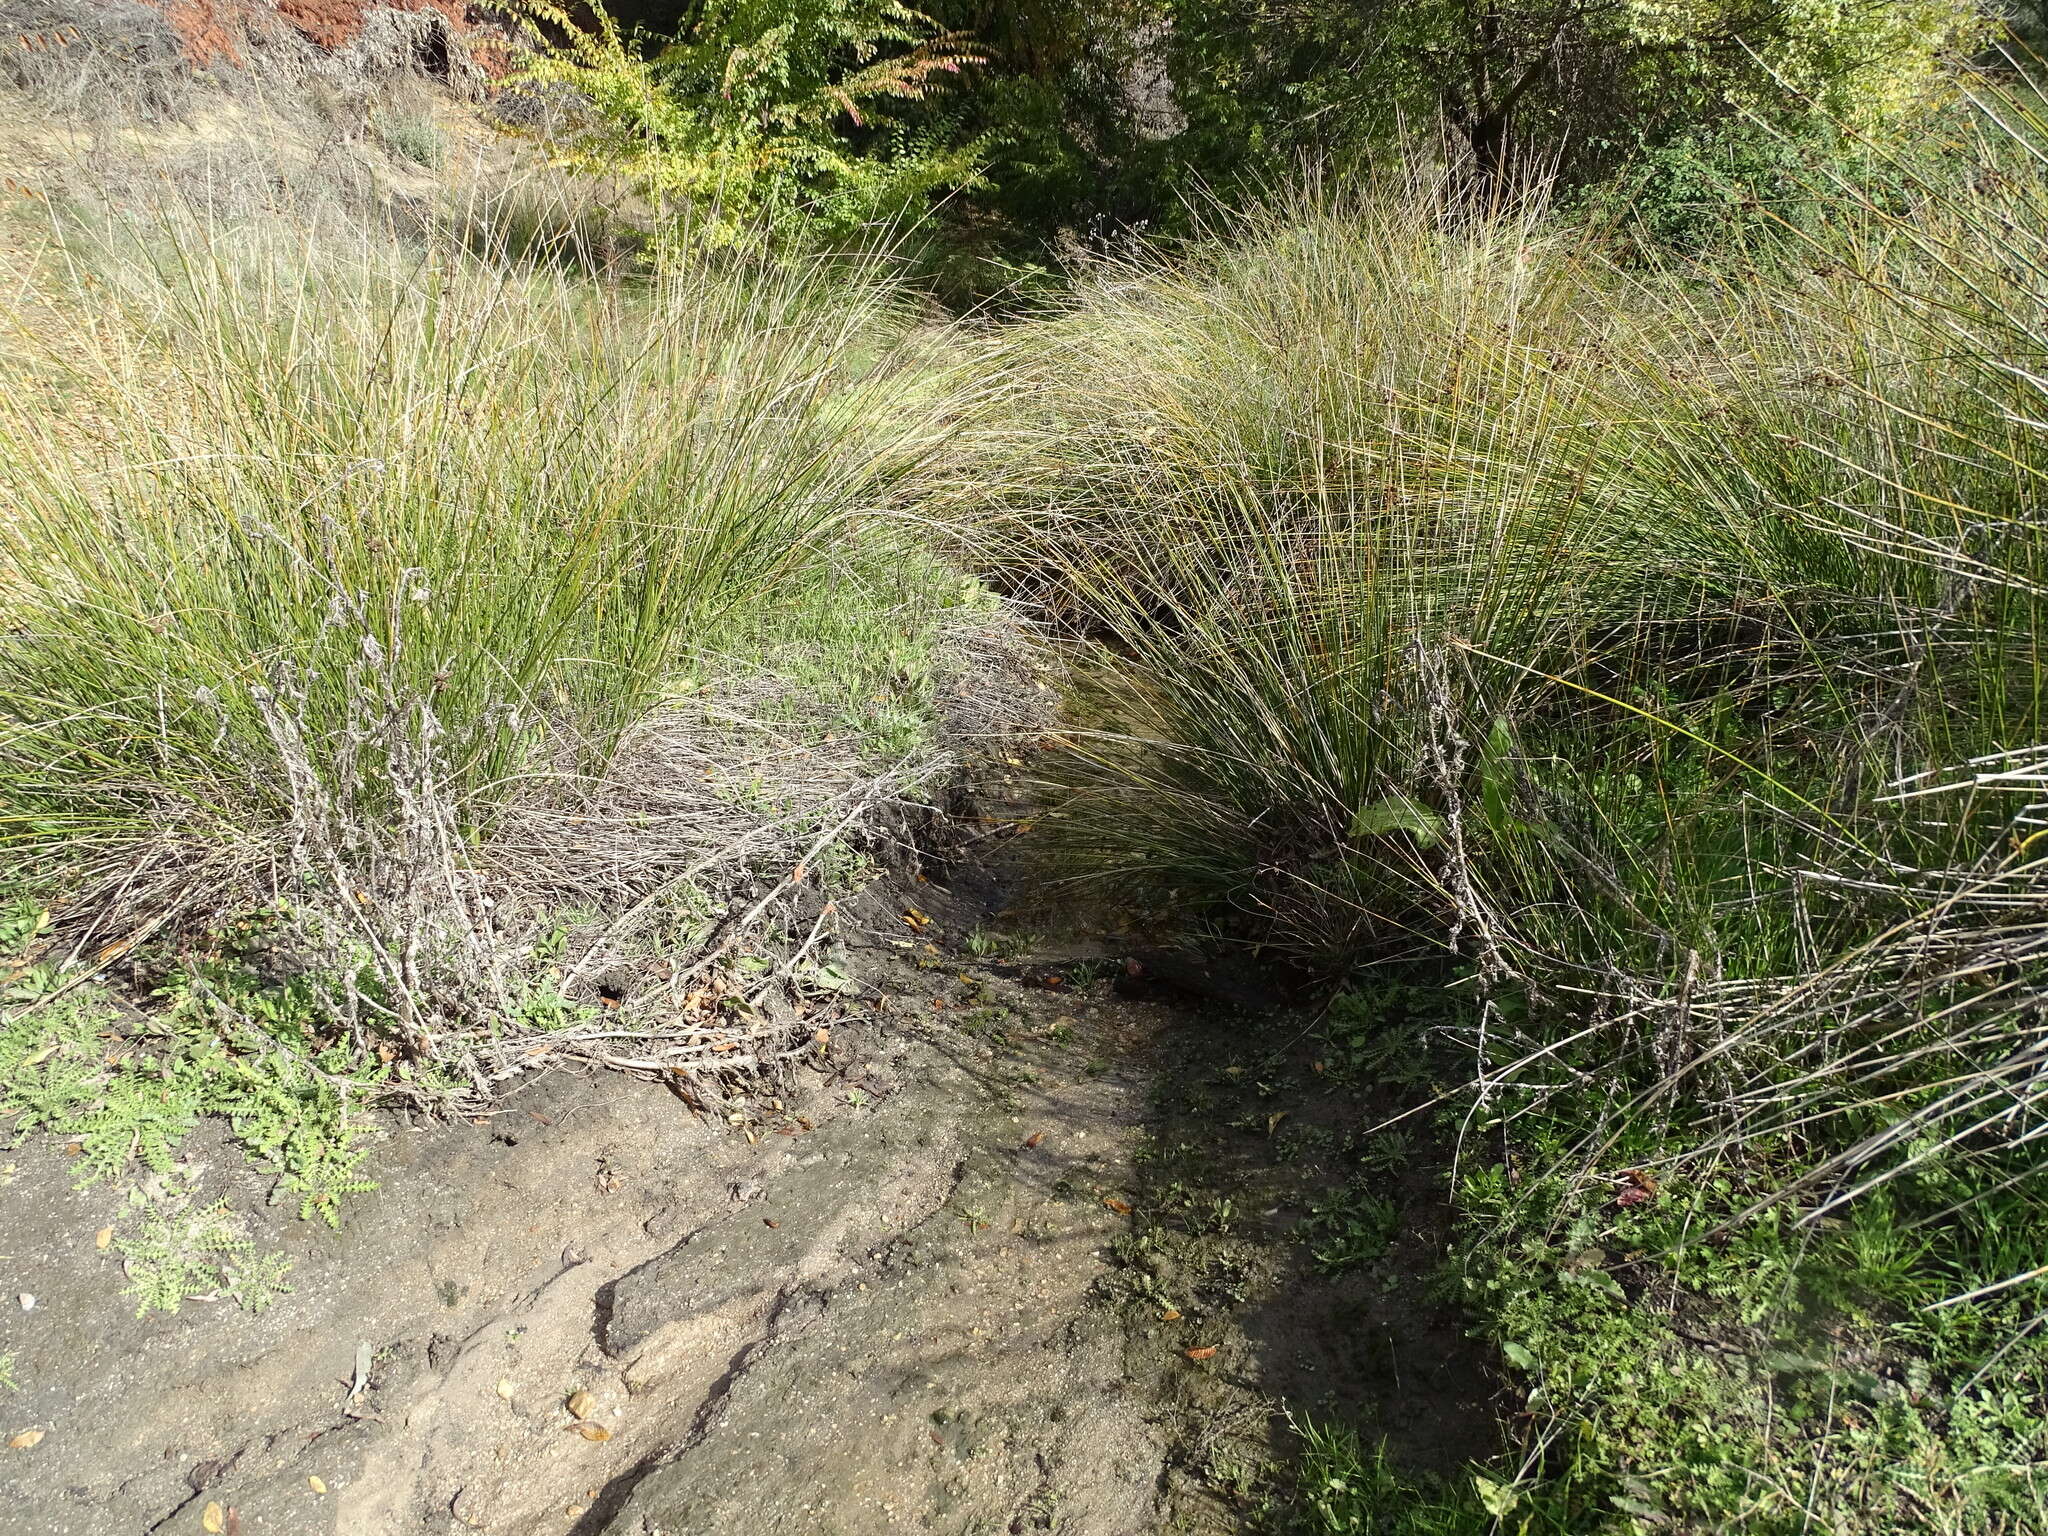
pixel 136 1117
pixel 176 1253
pixel 762 115
pixel 226 1046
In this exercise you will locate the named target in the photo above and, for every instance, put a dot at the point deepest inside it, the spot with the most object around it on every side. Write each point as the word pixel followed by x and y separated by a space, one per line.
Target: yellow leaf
pixel 213 1519
pixel 591 1431
pixel 1170 1315
pixel 316 1485
pixel 27 1440
pixel 101 1238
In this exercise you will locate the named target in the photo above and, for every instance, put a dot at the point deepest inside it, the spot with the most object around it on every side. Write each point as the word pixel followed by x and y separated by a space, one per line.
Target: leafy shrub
pixel 757 121
pixel 413 136
pixel 1754 188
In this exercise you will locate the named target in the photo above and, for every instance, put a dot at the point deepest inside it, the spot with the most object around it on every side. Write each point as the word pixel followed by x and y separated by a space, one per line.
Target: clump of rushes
pixel 326 553
pixel 1661 653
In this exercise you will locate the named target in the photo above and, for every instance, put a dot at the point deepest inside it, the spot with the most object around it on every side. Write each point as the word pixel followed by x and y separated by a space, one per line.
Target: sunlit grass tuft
pixel 312 505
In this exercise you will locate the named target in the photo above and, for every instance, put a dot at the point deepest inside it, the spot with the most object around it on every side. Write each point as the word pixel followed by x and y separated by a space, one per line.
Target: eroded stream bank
pixel 1020 1249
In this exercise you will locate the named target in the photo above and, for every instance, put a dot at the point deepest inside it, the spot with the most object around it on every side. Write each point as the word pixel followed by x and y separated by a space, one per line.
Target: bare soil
pixel 921 1300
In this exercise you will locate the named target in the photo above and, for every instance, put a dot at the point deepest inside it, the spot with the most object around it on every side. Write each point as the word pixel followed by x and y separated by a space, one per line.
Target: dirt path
pixel 951 1286
pixel 877 1321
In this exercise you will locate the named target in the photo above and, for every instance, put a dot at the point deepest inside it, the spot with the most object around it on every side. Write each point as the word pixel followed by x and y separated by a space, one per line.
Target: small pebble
pixel 28 1302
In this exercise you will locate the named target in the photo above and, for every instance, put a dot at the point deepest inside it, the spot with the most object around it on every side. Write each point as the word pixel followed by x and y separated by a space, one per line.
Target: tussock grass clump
pixel 1266 477
pixel 1656 656
pixel 388 584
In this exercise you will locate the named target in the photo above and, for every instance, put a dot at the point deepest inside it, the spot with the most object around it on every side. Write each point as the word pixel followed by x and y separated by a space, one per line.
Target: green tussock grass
pixel 319 480
pixel 340 568
pixel 1652 652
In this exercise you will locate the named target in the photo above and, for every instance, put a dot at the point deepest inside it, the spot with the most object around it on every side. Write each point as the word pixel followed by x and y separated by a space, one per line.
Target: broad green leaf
pixel 1398 812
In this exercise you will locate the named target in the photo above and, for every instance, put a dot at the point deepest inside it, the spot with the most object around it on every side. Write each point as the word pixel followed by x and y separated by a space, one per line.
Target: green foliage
pixel 1686 1361
pixel 1538 80
pixel 857 644
pixel 22 920
pixel 1350 1229
pixel 1342 1488
pixel 766 116
pixel 226 1046
pixel 1748 187
pixel 412 136
pixel 175 1251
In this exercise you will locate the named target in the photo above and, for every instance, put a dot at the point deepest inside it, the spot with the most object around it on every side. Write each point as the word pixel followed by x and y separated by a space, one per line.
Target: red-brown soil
pixel 219 31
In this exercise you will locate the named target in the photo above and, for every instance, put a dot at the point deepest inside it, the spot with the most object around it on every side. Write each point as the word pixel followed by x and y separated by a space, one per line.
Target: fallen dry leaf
pixel 213 1519
pixel 1273 1121
pixel 316 1485
pixel 1203 1353
pixel 1121 1207
pixel 581 1404
pixel 593 1431
pixel 1034 1138
pixel 1170 1315
pixel 101 1238
pixel 767 1223
pixel 1639 1188
pixel 27 1440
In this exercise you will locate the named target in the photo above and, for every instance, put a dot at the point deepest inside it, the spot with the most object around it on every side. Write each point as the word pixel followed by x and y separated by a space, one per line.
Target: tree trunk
pixel 1487 135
